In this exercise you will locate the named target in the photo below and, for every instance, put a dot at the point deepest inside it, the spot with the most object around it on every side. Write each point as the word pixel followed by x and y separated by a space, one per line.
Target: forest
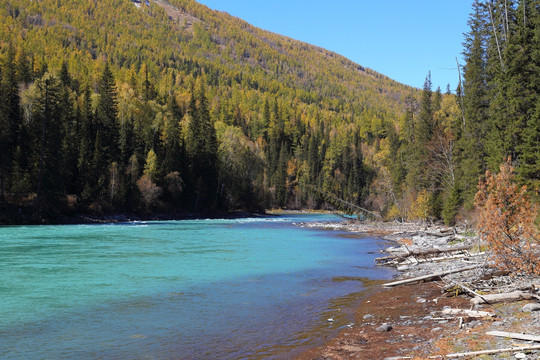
pixel 172 107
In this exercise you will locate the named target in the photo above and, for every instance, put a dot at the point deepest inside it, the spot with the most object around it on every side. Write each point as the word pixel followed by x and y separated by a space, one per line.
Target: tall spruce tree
pixel 5 140
pixel 48 113
pixel 11 115
pixel 106 150
pixel 202 150
pixel 87 135
pixel 528 170
pixel 472 135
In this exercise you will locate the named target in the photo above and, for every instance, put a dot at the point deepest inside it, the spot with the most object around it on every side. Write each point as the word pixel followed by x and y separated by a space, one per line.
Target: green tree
pixel 5 144
pixel 47 128
pixel 106 150
pixel 10 117
pixel 87 174
pixel 202 150
pixel 472 135
pixel 23 71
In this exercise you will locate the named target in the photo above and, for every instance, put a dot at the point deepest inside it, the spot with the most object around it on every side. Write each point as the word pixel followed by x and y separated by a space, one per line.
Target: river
pixel 248 288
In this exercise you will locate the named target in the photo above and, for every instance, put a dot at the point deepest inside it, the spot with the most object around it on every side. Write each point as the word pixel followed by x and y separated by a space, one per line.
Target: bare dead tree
pixel 495 35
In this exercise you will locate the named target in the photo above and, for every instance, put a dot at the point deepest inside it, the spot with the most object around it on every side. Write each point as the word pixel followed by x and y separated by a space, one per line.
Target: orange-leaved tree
pixel 506 221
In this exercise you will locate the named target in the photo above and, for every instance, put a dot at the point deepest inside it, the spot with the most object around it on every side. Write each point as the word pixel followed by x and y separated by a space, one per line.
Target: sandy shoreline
pixel 408 321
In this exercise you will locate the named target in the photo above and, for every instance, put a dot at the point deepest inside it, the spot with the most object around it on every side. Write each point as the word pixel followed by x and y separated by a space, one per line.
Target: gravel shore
pixel 419 320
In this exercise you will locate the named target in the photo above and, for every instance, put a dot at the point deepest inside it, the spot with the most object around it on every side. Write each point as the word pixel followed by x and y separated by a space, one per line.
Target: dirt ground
pixel 418 329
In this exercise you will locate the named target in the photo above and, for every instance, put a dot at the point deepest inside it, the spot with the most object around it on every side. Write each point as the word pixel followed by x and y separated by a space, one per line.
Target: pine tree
pixel 528 170
pixel 5 143
pixel 471 143
pixel 424 126
pixel 174 152
pixel 48 132
pixel 202 150
pixel 24 73
pixel 107 133
pixel 87 134
pixel 10 117
pixel 71 139
pixel 281 177
pixel 422 131
pixel 64 75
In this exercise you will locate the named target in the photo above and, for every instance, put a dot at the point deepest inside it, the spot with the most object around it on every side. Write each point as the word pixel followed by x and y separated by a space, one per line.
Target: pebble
pixel 330 320
pixel 368 317
pixel 531 307
pixel 421 300
pixel 436 329
pixel 520 355
pixel 384 328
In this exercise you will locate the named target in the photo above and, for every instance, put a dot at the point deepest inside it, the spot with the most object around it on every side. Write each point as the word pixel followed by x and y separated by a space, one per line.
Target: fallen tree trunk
pixel 518 336
pixel 424 253
pixel 504 297
pixel 444 258
pixel 430 276
pixel 494 351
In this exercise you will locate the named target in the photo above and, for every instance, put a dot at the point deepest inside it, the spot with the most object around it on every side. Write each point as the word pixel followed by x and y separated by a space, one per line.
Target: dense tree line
pixel 446 143
pixel 112 147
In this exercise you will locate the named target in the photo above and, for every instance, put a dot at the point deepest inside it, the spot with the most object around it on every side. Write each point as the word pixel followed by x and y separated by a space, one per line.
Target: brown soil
pixel 412 333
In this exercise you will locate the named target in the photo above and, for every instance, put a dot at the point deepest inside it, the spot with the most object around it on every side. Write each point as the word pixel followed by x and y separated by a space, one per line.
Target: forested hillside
pixel 120 106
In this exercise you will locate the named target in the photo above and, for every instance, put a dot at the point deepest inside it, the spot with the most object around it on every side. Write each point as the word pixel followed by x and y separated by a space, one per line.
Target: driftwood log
pixel 518 336
pixel 494 351
pixel 504 297
pixel 424 253
pixel 430 276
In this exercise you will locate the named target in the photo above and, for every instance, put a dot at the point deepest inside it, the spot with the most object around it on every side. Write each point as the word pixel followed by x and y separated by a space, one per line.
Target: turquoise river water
pixel 249 288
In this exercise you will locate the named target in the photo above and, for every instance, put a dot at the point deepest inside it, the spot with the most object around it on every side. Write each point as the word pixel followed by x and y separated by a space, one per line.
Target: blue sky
pixel 401 39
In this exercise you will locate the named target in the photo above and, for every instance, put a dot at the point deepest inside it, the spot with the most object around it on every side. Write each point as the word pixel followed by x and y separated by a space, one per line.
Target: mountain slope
pixel 164 36
pixel 301 113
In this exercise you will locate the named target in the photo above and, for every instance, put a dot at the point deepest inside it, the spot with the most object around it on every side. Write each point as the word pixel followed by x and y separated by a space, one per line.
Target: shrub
pixel 149 190
pixel 506 221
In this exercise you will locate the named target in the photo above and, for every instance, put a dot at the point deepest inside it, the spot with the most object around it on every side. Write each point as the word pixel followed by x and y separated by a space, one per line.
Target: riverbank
pixel 26 215
pixel 419 320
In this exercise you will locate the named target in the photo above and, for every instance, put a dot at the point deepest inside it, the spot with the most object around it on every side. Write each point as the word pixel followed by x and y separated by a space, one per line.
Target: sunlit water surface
pixel 199 289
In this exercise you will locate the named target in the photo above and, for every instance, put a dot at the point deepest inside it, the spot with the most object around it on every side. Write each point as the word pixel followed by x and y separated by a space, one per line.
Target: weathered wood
pixel 518 336
pixel 493 351
pixel 430 276
pixel 444 257
pixel 494 273
pixel 504 297
pixel 469 313
pixel 385 258
pixel 424 253
pixel 440 234
pixel 472 292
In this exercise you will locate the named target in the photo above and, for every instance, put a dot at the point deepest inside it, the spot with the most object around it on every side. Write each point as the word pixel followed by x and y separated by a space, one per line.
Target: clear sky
pixel 401 39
